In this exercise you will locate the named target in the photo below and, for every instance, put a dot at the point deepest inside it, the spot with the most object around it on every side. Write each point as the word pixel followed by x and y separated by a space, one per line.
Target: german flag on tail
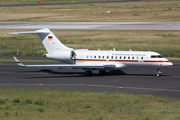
pixel 50 37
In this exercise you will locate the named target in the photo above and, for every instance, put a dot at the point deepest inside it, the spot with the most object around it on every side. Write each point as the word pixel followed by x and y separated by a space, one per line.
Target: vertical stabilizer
pixel 49 40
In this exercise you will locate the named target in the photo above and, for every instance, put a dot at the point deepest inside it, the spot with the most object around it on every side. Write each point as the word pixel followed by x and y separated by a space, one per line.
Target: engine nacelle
pixel 63 56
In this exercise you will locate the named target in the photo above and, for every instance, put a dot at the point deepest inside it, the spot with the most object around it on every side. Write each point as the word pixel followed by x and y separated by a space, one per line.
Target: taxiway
pixel 67 3
pixel 92 25
pixel 135 81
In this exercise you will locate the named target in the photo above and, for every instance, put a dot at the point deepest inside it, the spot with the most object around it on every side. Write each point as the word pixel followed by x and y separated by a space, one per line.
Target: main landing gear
pixel 102 72
pixel 88 72
pixel 159 72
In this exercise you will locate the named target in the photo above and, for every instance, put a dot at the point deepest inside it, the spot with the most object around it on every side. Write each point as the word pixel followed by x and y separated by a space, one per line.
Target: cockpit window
pixel 160 56
pixel 156 56
pixel 153 56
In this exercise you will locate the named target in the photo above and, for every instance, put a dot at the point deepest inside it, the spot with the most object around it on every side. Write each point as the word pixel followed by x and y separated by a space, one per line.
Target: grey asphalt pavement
pixel 92 25
pixel 67 3
pixel 132 80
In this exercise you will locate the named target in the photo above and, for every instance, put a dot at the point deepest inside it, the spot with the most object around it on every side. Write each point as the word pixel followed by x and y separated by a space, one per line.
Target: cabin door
pixel 140 59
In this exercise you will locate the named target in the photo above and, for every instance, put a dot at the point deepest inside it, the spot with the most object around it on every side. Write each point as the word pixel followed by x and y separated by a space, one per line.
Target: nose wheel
pixel 158 72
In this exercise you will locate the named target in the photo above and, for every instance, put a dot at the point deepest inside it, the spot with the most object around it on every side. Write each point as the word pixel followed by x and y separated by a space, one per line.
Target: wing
pixel 66 65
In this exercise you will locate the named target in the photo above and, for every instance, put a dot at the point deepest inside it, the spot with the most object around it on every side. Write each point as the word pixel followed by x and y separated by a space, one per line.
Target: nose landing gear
pixel 158 72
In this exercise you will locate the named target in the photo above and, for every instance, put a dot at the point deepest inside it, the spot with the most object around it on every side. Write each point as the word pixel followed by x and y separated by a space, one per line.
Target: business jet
pixel 90 60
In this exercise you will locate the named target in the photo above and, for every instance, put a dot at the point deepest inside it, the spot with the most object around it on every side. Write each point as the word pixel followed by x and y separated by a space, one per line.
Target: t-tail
pixel 53 45
pixel 49 40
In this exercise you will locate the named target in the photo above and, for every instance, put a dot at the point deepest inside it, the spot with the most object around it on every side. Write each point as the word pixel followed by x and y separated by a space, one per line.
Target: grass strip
pixel 155 11
pixel 45 104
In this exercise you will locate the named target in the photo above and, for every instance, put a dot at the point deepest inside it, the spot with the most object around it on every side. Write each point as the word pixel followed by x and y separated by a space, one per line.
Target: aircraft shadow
pixel 112 72
pixel 72 74
pixel 82 74
pixel 55 72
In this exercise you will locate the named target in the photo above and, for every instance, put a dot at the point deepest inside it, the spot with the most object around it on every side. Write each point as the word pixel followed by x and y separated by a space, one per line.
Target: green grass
pixel 45 104
pixel 156 11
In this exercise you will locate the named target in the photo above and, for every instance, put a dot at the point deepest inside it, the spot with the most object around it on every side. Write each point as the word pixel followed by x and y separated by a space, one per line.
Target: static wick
pixel 40 84
pixel 120 87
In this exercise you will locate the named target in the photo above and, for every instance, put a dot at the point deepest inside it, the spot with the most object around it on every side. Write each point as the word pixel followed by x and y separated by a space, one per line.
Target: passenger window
pixel 128 57
pixel 87 56
pixel 132 57
pixel 91 56
pixel 99 57
pixel 103 57
pixel 120 57
pixel 107 57
pixel 141 58
pixel 112 57
pixel 116 57
pixel 94 56
pixel 124 57
pixel 137 58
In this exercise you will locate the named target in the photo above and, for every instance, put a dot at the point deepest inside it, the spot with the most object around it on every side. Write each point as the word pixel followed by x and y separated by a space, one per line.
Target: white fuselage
pixel 122 59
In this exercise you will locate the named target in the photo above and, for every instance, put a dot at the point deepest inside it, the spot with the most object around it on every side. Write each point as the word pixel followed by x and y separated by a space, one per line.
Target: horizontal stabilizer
pixel 45 30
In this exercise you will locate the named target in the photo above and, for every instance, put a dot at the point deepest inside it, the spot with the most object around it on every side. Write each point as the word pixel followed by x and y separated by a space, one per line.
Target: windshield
pixel 157 56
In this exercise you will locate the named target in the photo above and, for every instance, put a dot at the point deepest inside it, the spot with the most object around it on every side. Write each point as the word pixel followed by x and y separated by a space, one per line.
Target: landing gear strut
pixel 102 72
pixel 88 72
pixel 158 72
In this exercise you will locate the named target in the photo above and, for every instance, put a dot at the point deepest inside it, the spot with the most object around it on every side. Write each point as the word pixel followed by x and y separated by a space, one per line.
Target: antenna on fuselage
pixel 114 49
pixel 130 49
pixel 98 49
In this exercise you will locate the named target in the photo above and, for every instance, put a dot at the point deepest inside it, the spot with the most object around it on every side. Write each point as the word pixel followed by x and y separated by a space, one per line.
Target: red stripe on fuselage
pixel 91 60
pixel 157 62
pixel 133 61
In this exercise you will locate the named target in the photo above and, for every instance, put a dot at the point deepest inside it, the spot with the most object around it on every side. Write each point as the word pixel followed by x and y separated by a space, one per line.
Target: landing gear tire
pixel 158 72
pixel 158 75
pixel 88 73
pixel 102 72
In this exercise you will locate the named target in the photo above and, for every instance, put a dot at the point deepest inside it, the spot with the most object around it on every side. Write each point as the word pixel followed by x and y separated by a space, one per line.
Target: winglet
pixel 18 62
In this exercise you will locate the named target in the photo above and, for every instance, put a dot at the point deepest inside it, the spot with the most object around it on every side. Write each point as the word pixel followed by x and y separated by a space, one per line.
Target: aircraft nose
pixel 169 63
